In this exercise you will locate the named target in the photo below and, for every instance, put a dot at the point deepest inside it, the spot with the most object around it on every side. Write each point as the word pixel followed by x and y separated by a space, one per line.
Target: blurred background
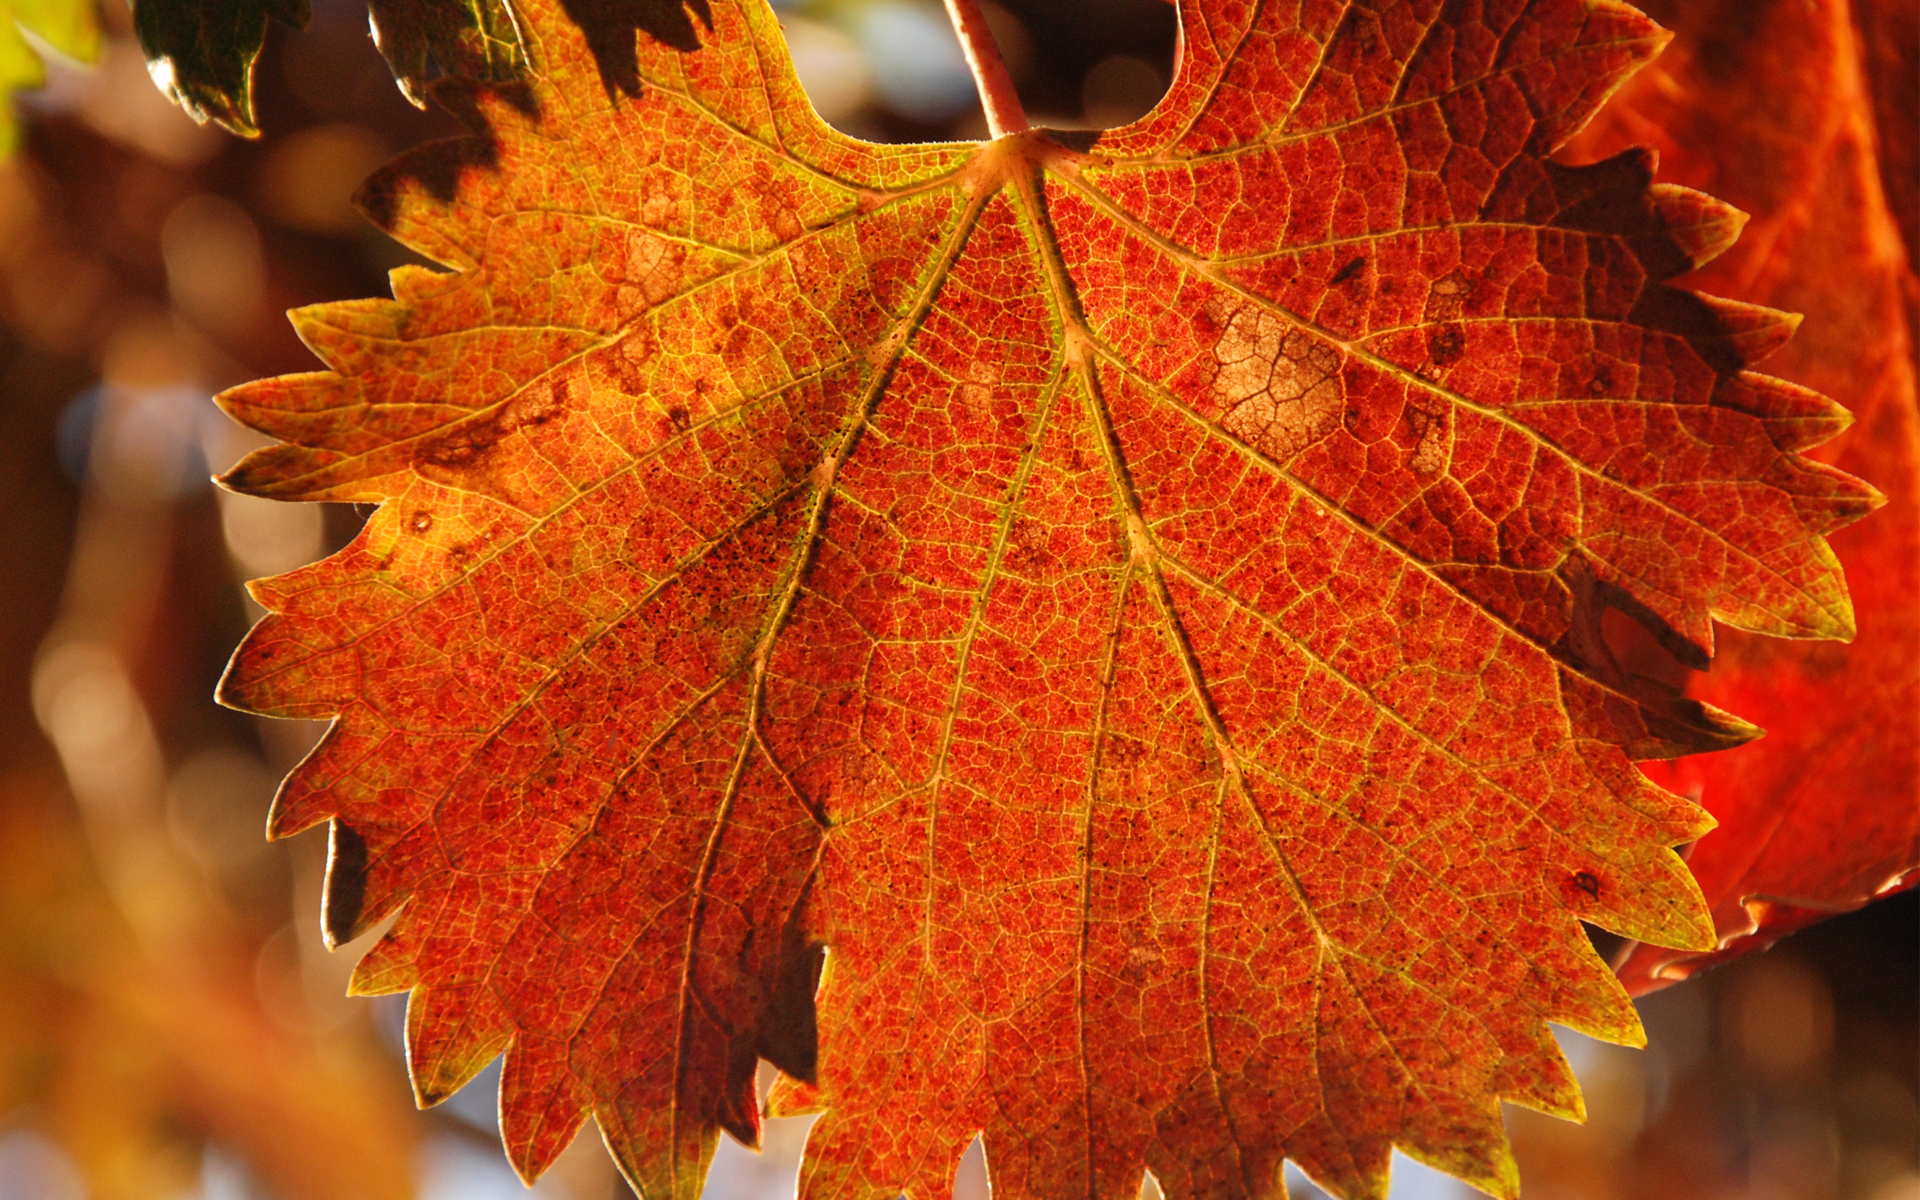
pixel 170 1025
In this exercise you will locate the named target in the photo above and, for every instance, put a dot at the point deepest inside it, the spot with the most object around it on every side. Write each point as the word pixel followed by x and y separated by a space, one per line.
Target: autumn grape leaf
pixel 202 52
pixel 1091 639
pixel 1775 113
pixel 66 25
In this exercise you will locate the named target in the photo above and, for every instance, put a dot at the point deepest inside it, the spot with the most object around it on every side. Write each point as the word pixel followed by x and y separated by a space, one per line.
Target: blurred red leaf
pixel 1773 107
pixel 1134 602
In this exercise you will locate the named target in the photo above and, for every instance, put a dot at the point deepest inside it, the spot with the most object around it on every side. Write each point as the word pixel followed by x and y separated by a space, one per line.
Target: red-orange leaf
pixel 1090 640
pixel 1775 112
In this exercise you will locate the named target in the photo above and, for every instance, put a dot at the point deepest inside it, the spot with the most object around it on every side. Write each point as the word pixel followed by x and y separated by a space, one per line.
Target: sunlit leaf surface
pixel 1091 639
pixel 1777 114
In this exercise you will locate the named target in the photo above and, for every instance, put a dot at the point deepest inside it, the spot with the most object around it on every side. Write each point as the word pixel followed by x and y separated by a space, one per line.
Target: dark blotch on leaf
pixel 1445 344
pixel 465 443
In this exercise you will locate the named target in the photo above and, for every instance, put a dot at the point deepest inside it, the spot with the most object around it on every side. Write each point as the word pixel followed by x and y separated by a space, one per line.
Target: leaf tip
pixel 385 969
pixel 1487 1164
pixel 1720 730
pixel 542 1104
pixel 1702 226
pixel 792 1097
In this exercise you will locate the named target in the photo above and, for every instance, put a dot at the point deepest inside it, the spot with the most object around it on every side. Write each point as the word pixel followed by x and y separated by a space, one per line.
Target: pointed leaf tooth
pixel 1649 724
pixel 270 470
pixel 1702 226
pixel 1595 1003
pixel 1727 334
pixel 1682 726
pixel 1550 1086
pixel 1817 607
pixel 1735 334
pixel 1720 730
pixel 792 1097
pixel 275 593
pixel 1473 1148
pixel 305 798
pixel 542 1104
pixel 1619 39
pixel 1355 1169
pixel 350 336
pixel 1651 899
pixel 289 407
pixel 1824 497
pixel 661 1158
pixel 1673 819
pixel 298 473
pixel 275 672
pixel 452 1034
pixel 388 966
pixel 414 285
pixel 1796 417
pixel 333 415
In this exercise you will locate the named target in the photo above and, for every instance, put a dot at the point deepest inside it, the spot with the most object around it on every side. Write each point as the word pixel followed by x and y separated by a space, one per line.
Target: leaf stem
pixel 997 95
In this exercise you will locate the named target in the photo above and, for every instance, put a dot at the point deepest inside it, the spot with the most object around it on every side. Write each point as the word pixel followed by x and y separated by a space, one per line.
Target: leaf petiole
pixel 990 74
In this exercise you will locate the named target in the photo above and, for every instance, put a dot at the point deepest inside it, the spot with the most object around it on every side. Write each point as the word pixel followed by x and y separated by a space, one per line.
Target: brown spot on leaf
pixel 465 443
pixel 1447 297
pixel 1279 385
pixel 1445 344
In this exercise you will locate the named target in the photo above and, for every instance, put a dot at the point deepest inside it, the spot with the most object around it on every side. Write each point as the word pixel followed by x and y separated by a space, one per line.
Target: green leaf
pixel 470 39
pixel 202 52
pixel 66 25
